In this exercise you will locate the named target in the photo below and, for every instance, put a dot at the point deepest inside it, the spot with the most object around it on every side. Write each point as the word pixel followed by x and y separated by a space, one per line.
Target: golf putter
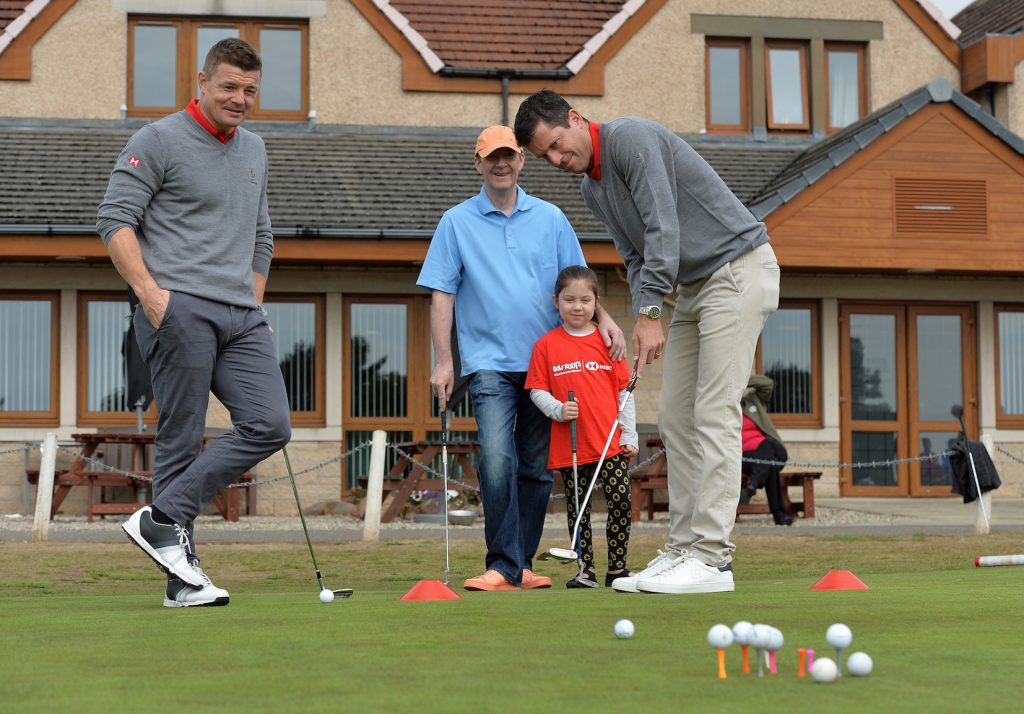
pixel 444 468
pixel 576 500
pixel 568 556
pixel 343 592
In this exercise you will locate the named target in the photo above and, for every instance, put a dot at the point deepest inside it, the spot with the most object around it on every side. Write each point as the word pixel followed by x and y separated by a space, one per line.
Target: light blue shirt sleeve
pixel 442 268
pixel 569 250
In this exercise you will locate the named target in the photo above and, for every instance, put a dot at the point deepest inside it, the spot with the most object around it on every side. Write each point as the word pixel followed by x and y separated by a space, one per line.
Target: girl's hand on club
pixel 629 450
pixel 570 411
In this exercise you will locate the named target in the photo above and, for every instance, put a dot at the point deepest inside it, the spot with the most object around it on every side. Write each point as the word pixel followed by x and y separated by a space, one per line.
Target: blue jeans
pixel 515 483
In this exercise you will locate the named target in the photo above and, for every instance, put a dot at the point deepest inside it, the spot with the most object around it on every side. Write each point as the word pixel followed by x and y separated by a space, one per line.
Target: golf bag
pixel 963 479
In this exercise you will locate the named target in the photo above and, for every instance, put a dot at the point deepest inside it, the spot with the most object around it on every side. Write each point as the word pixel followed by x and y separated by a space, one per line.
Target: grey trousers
pixel 708 357
pixel 203 346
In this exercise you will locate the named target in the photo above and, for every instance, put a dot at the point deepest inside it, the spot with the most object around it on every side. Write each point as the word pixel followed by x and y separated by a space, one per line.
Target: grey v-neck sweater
pixel 673 219
pixel 197 206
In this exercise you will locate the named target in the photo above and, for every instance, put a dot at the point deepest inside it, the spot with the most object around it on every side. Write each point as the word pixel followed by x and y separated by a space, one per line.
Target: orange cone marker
pixel 430 590
pixel 840 580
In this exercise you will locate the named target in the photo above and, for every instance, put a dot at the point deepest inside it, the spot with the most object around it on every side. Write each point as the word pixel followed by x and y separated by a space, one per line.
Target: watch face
pixel 652 312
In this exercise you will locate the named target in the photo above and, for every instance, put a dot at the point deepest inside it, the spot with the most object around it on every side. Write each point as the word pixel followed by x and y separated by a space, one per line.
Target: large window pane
pixel 105 385
pixel 379 370
pixel 281 85
pixel 936 471
pixel 871 446
pixel 843 88
pixel 787 86
pixel 207 37
pixel 939 366
pixel 786 356
pixel 1011 363
pixel 155 66
pixel 294 340
pixel 725 78
pixel 25 355
pixel 873 366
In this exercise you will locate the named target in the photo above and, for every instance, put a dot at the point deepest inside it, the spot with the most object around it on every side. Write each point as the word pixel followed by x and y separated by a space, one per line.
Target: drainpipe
pixel 505 75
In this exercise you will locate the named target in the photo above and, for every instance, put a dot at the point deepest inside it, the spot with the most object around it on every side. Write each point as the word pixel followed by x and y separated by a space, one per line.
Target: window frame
pixel 744 47
pixel 813 418
pixel 1003 421
pixel 317 417
pixel 862 87
pixel 50 417
pixel 83 417
pixel 187 72
pixel 803 48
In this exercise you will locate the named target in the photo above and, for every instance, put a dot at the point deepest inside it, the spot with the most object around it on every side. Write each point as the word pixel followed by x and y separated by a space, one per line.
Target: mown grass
pixel 84 631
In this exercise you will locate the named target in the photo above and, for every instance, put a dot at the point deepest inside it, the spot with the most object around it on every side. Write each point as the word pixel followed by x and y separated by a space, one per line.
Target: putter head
pixel 586 583
pixel 562 555
pixel 343 593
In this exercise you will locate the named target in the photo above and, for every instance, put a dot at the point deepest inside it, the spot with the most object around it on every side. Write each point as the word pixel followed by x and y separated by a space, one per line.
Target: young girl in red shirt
pixel 573 357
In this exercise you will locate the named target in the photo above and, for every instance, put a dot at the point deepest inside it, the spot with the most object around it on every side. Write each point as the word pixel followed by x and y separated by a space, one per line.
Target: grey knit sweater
pixel 671 216
pixel 198 207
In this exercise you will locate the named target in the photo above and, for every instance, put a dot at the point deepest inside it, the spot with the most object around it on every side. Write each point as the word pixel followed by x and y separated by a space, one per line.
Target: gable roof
pixel 813 164
pixel 331 181
pixel 989 17
pixel 11 9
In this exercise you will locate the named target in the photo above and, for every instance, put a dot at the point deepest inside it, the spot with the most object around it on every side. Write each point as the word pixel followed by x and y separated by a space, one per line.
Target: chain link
pixel 26 447
pixel 436 474
pixel 1013 457
pixel 855 465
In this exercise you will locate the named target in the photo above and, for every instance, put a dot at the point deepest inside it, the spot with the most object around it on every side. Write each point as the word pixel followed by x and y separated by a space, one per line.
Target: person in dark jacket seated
pixel 762 441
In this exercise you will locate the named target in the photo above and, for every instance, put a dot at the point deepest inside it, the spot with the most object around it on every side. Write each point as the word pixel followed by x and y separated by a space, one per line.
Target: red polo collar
pixel 194 112
pixel 595 139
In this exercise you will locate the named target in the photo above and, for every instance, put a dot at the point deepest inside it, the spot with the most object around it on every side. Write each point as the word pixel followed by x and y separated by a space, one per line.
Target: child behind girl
pixel 573 357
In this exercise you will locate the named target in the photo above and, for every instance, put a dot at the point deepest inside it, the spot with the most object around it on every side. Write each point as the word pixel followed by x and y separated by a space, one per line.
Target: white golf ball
pixel 760 636
pixel 326 596
pixel 824 670
pixel 775 640
pixel 859 664
pixel 624 629
pixel 720 636
pixel 741 632
pixel 839 636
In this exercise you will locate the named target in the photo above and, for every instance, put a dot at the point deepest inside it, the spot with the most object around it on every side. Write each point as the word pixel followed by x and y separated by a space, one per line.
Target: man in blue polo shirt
pixel 493 263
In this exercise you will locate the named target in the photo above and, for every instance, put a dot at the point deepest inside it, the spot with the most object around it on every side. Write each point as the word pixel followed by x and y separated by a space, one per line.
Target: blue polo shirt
pixel 502 271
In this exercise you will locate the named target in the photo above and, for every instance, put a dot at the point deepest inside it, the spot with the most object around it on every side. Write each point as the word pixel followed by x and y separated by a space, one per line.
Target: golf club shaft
pixel 444 497
pixel 298 505
pixel 575 476
pixel 974 472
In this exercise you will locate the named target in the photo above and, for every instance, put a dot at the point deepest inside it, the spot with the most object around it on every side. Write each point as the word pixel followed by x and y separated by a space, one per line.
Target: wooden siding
pixel 848 219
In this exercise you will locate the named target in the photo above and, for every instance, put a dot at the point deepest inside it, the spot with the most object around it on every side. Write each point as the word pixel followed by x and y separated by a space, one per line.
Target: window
pixel 788 353
pixel 786 86
pixel 387 366
pixel 165 55
pixel 28 359
pixel 1010 366
pixel 845 95
pixel 298 323
pixel 726 72
pixel 103 322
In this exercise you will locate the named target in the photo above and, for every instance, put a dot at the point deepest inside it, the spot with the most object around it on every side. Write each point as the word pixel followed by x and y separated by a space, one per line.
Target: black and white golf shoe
pixel 167 545
pixel 178 594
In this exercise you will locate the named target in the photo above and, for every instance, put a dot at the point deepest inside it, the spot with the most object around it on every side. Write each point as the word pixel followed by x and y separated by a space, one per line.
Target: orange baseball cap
pixel 496 137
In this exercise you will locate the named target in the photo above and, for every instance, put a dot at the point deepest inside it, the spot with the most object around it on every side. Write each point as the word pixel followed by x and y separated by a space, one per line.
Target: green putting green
pixel 84 630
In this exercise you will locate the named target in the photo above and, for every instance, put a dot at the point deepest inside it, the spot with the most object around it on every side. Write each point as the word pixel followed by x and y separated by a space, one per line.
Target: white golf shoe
pixel 689 575
pixel 167 545
pixel 662 561
pixel 178 594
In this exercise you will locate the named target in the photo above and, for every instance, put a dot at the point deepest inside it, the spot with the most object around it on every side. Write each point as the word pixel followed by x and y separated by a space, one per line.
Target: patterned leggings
pixel 615 481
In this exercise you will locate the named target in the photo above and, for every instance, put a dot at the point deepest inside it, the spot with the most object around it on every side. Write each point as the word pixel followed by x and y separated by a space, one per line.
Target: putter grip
pixel 572 424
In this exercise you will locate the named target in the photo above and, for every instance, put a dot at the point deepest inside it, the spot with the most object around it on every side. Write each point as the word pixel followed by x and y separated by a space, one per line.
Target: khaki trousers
pixel 708 357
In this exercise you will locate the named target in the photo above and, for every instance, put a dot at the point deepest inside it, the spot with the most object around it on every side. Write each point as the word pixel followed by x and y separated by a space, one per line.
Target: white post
pixel 983 516
pixel 375 487
pixel 44 488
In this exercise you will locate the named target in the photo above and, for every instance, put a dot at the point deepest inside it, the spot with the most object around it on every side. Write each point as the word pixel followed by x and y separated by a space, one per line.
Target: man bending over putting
pixel 677 226
pixel 186 224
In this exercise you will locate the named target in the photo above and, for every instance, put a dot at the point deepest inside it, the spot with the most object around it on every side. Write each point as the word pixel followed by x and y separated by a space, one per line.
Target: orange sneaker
pixel 531 580
pixel 490 581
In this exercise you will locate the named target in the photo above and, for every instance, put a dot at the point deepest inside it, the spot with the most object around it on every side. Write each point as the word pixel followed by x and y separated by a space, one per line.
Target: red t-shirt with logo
pixel 563 362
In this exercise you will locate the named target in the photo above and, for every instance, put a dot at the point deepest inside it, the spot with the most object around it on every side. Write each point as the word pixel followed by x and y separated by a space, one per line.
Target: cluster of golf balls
pixel 826 670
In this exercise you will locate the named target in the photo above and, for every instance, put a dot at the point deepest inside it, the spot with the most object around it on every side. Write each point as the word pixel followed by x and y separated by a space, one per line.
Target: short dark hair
pixel 576 272
pixel 235 52
pixel 546 106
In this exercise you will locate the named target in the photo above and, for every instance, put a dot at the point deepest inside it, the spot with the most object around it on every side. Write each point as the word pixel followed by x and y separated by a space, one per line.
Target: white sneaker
pixel 662 561
pixel 166 545
pixel 689 576
pixel 178 594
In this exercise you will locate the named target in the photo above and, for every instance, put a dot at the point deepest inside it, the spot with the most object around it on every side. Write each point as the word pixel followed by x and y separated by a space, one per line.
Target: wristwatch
pixel 652 313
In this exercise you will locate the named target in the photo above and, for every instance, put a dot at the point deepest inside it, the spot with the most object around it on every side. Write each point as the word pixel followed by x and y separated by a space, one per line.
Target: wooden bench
pixel 227 501
pixel 643 485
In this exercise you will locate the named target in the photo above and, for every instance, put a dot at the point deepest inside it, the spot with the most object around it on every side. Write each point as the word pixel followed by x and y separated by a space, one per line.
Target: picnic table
pixel 98 446
pixel 407 475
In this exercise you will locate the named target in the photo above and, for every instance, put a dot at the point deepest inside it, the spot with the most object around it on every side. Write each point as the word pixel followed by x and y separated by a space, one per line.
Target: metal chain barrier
pixel 1013 457
pixel 855 465
pixel 428 469
pixel 17 449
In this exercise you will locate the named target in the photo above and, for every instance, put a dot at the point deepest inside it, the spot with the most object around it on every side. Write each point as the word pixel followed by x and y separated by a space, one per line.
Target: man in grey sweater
pixel 186 223
pixel 678 227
